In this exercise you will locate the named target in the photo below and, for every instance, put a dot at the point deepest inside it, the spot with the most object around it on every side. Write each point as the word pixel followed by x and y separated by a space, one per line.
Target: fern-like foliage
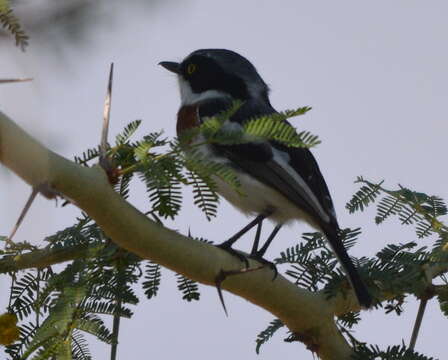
pixel 57 307
pixel 313 263
pixel 162 180
pixel 267 334
pixel 128 131
pixel 188 288
pixel 268 127
pixel 409 206
pixel 87 156
pixel 80 348
pixel 196 161
pixel 11 24
pixel 364 196
pixel 349 320
pixel 152 279
pixel 397 352
pixel 204 192
pixel 27 332
pixel 271 128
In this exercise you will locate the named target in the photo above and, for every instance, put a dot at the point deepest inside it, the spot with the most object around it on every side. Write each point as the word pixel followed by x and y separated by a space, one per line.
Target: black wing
pixel 257 159
pixel 305 186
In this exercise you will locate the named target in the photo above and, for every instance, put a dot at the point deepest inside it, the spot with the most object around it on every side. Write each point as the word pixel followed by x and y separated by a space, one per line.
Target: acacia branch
pixel 307 314
pixel 42 258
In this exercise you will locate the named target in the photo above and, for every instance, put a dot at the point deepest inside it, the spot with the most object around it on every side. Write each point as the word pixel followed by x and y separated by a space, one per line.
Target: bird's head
pixel 214 73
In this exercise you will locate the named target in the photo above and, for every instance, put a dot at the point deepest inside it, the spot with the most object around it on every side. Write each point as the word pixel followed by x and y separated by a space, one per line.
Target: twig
pixel 44 258
pixel 117 317
pixel 115 330
pixel 418 322
pixel 37 307
pixel 13 281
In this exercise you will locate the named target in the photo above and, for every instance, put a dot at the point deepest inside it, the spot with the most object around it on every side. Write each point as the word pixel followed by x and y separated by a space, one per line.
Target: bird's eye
pixel 191 68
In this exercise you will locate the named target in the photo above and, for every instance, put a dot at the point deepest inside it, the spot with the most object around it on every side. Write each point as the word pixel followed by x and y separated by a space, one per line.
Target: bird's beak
pixel 171 66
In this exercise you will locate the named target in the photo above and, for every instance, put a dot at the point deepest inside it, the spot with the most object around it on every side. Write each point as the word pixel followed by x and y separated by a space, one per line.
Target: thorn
pixel 5 81
pixel 105 162
pixel 222 275
pixel 45 190
pixel 218 281
pixel 22 216
pixel 106 113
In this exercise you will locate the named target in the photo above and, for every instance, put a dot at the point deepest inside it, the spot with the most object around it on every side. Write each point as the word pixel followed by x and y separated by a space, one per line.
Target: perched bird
pixel 279 182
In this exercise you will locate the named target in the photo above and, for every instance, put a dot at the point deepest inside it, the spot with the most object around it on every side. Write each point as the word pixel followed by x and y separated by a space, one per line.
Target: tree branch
pixel 307 314
pixel 418 323
pixel 42 258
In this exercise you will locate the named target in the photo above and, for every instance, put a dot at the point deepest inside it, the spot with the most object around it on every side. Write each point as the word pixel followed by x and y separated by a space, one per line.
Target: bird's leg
pixel 258 254
pixel 271 237
pixel 227 245
pixel 255 254
pixel 257 238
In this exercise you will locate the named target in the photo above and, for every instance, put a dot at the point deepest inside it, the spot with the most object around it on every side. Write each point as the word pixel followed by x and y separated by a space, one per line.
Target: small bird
pixel 278 182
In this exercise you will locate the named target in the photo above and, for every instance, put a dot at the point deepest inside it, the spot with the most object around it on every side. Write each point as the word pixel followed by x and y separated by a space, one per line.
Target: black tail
pixel 363 295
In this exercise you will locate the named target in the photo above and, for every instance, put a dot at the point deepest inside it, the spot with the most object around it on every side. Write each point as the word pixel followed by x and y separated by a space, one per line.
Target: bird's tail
pixel 362 294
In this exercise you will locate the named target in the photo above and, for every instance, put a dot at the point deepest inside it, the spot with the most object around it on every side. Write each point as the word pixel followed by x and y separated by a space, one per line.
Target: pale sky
pixel 375 74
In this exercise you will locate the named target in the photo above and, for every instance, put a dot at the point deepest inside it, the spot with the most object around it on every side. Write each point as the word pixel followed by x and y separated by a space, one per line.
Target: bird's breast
pixel 187 118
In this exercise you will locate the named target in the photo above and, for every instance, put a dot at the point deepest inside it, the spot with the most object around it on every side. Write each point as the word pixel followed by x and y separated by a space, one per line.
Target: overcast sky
pixel 375 74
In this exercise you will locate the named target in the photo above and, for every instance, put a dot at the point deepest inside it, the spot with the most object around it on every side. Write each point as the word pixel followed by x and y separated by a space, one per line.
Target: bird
pixel 279 182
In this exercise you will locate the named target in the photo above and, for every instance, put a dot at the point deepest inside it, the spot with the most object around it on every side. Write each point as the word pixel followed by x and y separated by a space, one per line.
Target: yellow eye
pixel 191 68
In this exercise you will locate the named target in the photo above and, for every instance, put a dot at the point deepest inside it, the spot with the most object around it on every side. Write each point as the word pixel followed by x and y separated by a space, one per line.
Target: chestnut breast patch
pixel 187 118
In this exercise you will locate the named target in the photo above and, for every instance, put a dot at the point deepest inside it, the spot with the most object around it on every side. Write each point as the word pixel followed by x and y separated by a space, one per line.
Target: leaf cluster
pixel 56 309
pixel 313 263
pixel 275 127
pixel 396 352
pixel 11 24
pixel 397 270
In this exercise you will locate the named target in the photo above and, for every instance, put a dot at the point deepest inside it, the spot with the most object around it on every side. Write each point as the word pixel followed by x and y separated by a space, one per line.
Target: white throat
pixel 188 97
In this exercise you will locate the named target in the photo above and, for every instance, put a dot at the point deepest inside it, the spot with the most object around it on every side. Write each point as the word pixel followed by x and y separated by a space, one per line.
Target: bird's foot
pixel 227 247
pixel 257 256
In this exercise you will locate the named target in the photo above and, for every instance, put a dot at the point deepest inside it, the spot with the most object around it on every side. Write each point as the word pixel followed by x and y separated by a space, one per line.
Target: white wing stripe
pixel 281 158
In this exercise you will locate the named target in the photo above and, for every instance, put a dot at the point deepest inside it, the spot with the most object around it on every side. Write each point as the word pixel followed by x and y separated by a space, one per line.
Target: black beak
pixel 171 66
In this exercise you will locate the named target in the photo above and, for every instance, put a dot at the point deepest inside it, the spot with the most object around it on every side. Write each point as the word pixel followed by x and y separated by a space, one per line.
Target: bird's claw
pixel 266 263
pixel 234 253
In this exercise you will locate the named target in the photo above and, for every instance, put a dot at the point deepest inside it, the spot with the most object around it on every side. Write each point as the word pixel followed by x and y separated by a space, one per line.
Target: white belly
pixel 253 197
pixel 257 198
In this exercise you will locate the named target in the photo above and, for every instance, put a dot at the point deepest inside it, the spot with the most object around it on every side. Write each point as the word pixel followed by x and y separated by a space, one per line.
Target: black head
pixel 218 71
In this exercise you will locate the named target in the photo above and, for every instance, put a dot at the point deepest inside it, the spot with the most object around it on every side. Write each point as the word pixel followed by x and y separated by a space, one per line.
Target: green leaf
pixel 188 287
pixel 80 348
pixel 366 195
pixel 152 279
pixel 95 326
pixel 388 206
pixel 267 333
pixel 396 352
pixel 204 193
pixel 128 131
pixel 271 128
pixel 195 161
pixel 11 24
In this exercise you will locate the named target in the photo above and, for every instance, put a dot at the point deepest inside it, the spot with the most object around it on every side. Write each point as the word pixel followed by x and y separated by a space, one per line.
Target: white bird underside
pixel 254 197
